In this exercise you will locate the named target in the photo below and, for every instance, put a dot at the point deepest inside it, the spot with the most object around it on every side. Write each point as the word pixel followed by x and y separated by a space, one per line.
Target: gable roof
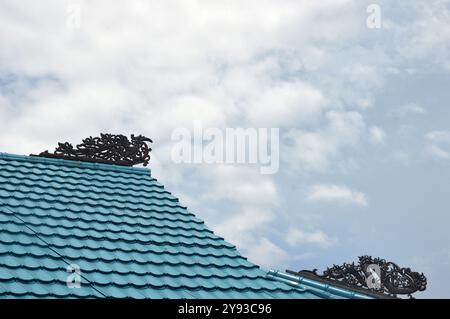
pixel 127 233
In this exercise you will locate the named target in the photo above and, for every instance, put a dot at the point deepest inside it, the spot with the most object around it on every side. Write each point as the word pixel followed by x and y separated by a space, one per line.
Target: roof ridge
pixel 79 164
pixel 323 288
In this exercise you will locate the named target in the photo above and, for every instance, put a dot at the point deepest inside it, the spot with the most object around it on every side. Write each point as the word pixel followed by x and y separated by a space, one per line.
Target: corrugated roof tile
pixel 130 237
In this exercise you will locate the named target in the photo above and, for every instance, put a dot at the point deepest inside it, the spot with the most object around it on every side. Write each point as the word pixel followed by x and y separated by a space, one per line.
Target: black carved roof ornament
pixel 106 149
pixel 372 276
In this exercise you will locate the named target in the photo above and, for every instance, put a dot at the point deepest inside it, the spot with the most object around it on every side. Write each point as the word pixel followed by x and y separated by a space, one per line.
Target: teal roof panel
pixel 130 237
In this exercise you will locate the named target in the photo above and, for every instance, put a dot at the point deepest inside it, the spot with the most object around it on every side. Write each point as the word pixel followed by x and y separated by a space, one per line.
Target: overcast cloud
pixel 363 113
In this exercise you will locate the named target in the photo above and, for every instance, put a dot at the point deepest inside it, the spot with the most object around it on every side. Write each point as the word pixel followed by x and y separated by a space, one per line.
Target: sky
pixel 362 113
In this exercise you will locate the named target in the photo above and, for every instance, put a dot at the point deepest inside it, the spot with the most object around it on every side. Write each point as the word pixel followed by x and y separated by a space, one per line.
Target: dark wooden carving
pixel 106 149
pixel 373 275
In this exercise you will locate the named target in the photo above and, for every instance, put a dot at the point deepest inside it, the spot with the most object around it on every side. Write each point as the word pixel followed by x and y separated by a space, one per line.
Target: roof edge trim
pixel 78 164
pixel 325 288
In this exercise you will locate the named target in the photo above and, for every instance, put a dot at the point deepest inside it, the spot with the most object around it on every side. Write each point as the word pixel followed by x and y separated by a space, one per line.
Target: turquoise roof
pixel 130 237
pixel 324 290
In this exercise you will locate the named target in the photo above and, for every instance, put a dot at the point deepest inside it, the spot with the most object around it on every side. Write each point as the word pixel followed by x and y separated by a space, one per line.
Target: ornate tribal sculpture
pixel 107 149
pixel 374 275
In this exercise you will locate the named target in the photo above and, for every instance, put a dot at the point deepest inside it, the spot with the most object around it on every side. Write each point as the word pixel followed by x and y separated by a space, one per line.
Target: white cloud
pixel 314 150
pixel 286 104
pixel 240 227
pixel 267 253
pixel 426 36
pixel 296 237
pixel 438 144
pixel 237 202
pixel 377 135
pixel 408 109
pixel 150 66
pixel 400 156
pixel 438 152
pixel 337 193
pixel 239 183
pixel 413 108
pixel 439 136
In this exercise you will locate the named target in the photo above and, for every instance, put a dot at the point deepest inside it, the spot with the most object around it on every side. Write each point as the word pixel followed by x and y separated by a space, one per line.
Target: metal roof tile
pixel 130 237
